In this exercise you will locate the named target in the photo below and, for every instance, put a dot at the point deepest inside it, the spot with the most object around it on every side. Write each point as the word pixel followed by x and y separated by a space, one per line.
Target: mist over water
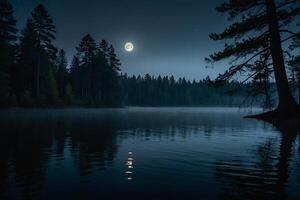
pixel 146 153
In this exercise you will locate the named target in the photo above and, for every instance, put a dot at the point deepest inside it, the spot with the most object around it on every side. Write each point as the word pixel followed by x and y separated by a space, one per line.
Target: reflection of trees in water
pixel 267 176
pixel 28 145
pixel 25 147
pixel 30 142
pixel 248 181
pixel 93 144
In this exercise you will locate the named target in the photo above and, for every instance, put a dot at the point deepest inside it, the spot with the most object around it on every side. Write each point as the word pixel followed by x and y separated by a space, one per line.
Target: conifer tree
pixel 75 76
pixel 87 50
pixel 62 74
pixel 104 48
pixel 257 27
pixel 113 60
pixel 86 54
pixel 45 30
pixel 26 67
pixel 7 49
pixel 45 54
pixel 114 64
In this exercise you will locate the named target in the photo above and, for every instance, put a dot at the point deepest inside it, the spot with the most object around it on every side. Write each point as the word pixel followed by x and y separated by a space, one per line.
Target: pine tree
pixel 45 54
pixel 114 64
pixel 25 72
pixel 62 74
pixel 257 27
pixel 113 60
pixel 95 73
pixel 104 48
pixel 75 76
pixel 86 54
pixel 87 50
pixel 99 73
pixel 45 29
pixel 7 49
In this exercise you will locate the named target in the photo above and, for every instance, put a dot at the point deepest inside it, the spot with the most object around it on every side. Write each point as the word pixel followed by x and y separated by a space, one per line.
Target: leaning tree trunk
pixel 287 103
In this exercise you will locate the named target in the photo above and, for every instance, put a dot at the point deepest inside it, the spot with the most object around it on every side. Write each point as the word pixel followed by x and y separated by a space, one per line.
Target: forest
pixel 35 73
pixel 166 91
pixel 262 42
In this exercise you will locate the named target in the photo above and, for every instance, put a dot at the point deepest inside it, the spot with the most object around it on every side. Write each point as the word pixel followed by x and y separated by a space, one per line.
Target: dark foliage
pixel 254 40
pixel 35 73
pixel 95 73
pixel 7 51
pixel 166 91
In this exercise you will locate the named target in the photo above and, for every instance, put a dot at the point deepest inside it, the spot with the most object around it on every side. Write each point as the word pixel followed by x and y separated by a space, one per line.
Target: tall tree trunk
pixel 286 103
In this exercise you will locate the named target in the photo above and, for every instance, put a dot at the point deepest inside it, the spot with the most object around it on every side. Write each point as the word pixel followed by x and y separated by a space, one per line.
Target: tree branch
pixel 286 3
pixel 241 66
pixel 234 69
pixel 290 32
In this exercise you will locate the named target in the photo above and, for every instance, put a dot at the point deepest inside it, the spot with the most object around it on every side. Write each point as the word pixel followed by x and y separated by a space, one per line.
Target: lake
pixel 146 153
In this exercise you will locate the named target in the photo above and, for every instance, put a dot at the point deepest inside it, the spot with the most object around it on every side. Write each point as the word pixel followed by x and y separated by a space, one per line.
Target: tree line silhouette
pixel 34 72
pixel 167 91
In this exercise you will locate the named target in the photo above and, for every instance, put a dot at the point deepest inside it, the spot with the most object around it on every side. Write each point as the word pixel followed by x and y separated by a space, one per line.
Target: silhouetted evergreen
pixel 62 74
pixel 75 76
pixel 113 85
pixel 26 67
pixel 46 52
pixel 95 73
pixel 7 50
pixel 35 72
pixel 257 32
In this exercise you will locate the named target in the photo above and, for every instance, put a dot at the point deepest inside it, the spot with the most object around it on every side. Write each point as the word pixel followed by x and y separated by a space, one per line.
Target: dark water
pixel 153 153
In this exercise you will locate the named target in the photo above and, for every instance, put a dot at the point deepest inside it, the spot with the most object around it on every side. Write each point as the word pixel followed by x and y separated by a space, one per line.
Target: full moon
pixel 129 47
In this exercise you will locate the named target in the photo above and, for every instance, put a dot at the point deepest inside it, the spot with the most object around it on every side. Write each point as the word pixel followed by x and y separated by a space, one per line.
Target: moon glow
pixel 129 47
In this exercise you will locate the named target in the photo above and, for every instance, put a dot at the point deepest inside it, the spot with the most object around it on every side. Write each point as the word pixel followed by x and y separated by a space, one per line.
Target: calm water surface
pixel 146 153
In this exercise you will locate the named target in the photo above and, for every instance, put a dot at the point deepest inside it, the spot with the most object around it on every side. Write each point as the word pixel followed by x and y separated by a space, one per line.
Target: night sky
pixel 170 36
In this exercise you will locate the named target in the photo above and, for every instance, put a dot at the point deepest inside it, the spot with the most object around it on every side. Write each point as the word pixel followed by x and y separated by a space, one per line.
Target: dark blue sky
pixel 170 36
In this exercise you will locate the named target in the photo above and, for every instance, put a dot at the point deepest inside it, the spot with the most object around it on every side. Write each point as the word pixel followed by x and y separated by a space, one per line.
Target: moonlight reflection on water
pixel 154 153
